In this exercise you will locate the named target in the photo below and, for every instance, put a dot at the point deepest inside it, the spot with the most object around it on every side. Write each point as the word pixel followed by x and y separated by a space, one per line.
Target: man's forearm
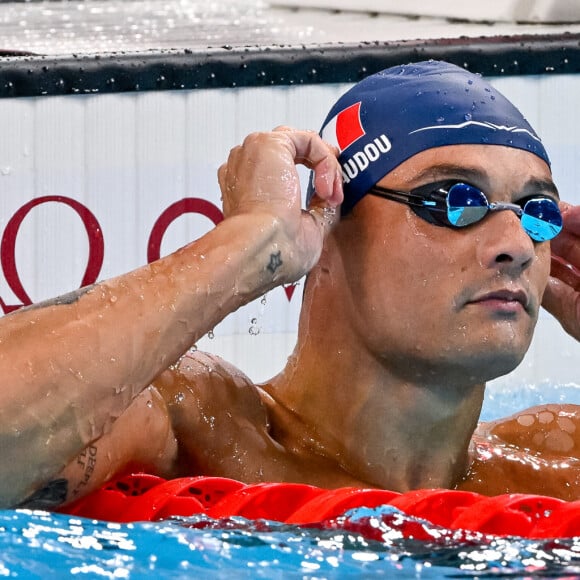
pixel 72 365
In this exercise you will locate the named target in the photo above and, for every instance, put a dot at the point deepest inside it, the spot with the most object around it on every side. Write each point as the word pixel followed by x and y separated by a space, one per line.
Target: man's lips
pixel 503 299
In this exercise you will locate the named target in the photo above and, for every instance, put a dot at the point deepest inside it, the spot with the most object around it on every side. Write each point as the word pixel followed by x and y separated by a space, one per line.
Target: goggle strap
pixel 409 198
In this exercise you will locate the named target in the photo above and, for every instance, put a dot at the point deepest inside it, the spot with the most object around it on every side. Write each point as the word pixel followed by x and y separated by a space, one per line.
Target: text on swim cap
pixel 370 153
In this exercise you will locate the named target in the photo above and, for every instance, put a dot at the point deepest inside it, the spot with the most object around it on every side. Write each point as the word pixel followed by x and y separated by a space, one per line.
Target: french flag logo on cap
pixel 345 128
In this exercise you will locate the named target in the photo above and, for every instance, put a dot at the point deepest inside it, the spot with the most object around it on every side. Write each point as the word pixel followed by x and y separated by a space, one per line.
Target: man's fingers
pixel 566 246
pixel 263 170
pixel 571 215
pixel 222 175
pixel 310 150
pixel 565 272
pixel 563 302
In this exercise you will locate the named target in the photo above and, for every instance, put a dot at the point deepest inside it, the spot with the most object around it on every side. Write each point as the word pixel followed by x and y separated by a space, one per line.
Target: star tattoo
pixel 275 262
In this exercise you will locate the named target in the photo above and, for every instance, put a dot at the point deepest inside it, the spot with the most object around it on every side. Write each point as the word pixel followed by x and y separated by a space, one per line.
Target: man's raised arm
pixel 70 366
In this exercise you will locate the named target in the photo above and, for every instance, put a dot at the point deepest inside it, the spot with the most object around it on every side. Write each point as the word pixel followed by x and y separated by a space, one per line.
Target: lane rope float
pixel 145 497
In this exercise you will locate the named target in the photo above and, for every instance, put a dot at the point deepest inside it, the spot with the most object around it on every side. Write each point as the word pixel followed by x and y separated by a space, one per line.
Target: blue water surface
pixel 41 545
pixel 503 401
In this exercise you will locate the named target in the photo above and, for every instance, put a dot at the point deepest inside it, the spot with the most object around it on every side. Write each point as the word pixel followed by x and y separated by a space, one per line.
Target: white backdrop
pixel 104 176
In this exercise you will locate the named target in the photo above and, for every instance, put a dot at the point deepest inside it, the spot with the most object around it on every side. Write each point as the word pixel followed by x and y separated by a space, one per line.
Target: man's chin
pixel 462 368
pixel 500 352
pixel 489 365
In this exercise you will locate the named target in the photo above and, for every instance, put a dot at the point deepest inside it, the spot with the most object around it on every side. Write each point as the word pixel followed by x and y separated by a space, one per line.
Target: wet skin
pixel 402 324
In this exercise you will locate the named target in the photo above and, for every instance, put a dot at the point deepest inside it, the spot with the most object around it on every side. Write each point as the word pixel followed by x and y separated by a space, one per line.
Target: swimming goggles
pixel 459 204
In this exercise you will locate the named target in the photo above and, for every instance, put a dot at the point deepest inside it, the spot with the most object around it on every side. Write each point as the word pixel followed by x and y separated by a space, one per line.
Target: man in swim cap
pixel 414 303
pixel 407 313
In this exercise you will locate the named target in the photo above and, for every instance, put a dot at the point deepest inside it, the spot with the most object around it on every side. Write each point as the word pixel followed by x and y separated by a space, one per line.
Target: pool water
pixel 41 545
pixel 364 543
pixel 502 401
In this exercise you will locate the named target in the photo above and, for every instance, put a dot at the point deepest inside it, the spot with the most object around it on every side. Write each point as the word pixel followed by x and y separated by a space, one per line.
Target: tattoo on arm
pixel 49 497
pixel 56 493
pixel 275 262
pixel 69 298
pixel 86 460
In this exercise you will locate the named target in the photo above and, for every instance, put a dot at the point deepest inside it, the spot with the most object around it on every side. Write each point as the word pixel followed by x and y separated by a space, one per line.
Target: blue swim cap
pixel 396 113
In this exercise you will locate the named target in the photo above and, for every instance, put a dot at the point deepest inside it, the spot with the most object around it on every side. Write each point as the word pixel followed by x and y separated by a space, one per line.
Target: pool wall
pixel 109 161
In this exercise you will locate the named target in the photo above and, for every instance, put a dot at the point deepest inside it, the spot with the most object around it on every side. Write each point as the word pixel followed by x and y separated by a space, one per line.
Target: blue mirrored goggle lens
pixel 540 217
pixel 466 205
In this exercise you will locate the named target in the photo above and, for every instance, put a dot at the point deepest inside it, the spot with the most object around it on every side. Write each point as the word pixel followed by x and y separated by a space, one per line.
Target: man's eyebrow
pixel 445 170
pixel 541 186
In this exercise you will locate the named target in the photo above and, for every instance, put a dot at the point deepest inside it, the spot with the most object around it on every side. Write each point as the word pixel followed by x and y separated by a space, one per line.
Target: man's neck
pixel 340 401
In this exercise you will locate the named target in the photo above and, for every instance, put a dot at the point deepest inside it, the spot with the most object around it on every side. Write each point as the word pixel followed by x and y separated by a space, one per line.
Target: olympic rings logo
pixel 96 240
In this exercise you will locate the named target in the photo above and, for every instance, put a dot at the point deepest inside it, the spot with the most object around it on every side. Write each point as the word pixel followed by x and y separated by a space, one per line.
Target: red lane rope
pixel 143 497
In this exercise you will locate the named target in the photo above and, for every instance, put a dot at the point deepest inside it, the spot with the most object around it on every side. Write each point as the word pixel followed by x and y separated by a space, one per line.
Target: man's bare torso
pixel 227 426
pixel 205 417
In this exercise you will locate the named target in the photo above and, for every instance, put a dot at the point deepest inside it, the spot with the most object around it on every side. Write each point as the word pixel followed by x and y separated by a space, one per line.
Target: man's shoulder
pixel 200 365
pixel 212 384
pixel 536 450
pixel 546 419
pixel 216 413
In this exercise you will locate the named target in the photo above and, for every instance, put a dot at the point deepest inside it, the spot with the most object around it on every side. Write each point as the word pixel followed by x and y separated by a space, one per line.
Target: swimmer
pixel 412 306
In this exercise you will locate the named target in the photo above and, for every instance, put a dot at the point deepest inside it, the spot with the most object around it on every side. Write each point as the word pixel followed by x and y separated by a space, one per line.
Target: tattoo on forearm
pixel 51 496
pixel 275 262
pixel 69 298
pixel 55 493
pixel 87 460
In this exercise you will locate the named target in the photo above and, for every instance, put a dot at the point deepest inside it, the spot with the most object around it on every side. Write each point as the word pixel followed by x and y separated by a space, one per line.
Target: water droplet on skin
pixel 179 397
pixel 467 116
pixel 210 334
pixel 254 329
pixel 263 301
pixel 76 373
pixel 149 404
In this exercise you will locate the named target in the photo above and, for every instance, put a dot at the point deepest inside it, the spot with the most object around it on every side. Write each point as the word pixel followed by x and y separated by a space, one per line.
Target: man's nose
pixel 504 244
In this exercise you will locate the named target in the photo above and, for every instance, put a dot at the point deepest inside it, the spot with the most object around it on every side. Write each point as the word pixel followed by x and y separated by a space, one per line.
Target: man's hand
pixel 260 177
pixel 562 297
